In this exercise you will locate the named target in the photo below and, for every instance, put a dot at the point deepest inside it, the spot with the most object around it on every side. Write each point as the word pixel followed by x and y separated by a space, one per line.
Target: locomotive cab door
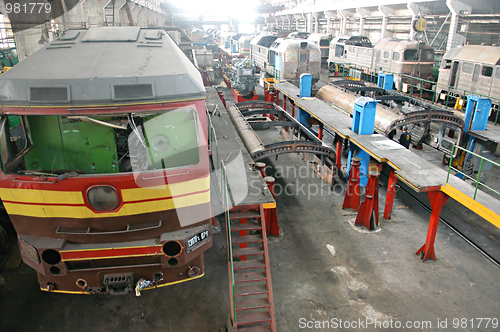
pixel 453 81
pixel 475 77
pixel 303 65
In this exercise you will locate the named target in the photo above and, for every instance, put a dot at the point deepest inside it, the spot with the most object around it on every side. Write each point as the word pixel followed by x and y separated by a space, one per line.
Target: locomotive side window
pixel 396 56
pixel 410 55
pixel 386 54
pixel 497 73
pixel 427 55
pixel 467 67
pixel 487 71
pixel 324 42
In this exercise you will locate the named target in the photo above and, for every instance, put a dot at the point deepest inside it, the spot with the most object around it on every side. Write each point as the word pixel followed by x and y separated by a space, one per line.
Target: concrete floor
pixel 323 269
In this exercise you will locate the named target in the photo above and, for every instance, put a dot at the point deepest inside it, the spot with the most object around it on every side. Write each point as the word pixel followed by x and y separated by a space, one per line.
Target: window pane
pixel 410 55
pixel 467 68
pixel 487 71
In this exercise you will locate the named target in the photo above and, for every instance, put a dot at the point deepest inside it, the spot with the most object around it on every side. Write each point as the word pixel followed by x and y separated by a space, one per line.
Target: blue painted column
pixel 305 85
pixel 363 122
pixel 477 113
pixel 305 91
pixel 385 81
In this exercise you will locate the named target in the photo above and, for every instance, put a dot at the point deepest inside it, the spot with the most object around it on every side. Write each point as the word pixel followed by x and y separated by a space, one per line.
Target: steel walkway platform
pixel 413 170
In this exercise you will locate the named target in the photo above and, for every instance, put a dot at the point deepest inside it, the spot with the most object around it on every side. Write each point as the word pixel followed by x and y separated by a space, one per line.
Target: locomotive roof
pixel 477 53
pixel 103 65
pixel 400 44
pixel 264 40
pixel 352 40
pixel 292 44
pixel 318 36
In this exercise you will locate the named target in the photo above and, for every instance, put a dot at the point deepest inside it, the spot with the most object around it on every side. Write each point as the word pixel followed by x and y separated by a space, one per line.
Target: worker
pixel 405 138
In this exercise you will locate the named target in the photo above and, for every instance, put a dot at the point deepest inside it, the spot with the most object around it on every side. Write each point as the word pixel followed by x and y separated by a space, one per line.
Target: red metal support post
pixel 284 102
pixel 368 212
pixel 351 199
pixel 272 226
pixel 292 105
pixel 338 155
pixel 438 200
pixel 320 131
pixel 222 97
pixel 391 193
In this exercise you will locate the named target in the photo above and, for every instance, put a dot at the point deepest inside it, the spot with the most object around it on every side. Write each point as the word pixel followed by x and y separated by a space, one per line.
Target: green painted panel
pixel 46 154
pixel 61 144
pixel 172 139
pixel 89 147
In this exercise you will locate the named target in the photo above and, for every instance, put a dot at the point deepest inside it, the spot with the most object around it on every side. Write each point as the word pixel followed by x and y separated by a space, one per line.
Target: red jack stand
pixel 391 193
pixel 368 212
pixel 262 168
pixel 222 98
pixel 272 226
pixel 351 199
pixel 438 200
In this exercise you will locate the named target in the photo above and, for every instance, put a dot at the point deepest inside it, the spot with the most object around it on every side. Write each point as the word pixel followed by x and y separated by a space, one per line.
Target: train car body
pixel 400 57
pixel 404 57
pixel 472 69
pixel 259 49
pixel 290 58
pixel 323 42
pixel 244 44
pixel 106 178
pixel 350 49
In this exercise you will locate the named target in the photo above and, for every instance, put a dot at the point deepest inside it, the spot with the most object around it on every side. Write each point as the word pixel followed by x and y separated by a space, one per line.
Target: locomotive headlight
pixel 103 198
pixel 248 64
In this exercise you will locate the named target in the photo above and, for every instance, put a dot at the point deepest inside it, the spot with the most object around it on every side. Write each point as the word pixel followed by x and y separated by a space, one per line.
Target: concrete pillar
pixel 120 13
pixel 455 8
pixel 309 22
pixel 386 11
pixel 331 14
pixel 317 16
pixel 362 12
pixel 343 21
pixel 298 17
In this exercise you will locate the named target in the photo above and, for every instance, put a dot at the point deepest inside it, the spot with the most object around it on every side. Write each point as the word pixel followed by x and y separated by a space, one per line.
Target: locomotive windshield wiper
pixel 117 124
pixel 61 177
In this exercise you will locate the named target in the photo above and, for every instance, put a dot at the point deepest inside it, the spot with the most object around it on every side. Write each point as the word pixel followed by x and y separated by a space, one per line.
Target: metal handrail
pixel 226 206
pixel 450 167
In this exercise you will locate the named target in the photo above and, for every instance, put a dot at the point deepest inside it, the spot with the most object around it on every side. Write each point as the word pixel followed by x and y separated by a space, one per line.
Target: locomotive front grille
pixel 113 263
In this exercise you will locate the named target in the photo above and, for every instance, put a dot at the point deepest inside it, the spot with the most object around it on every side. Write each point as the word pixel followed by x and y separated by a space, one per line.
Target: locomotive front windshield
pixel 57 144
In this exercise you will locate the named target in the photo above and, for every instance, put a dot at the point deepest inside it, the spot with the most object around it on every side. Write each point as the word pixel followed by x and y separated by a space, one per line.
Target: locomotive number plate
pixel 198 238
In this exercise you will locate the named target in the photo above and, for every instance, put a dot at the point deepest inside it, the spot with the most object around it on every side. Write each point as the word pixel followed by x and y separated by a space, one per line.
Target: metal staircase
pixel 252 306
